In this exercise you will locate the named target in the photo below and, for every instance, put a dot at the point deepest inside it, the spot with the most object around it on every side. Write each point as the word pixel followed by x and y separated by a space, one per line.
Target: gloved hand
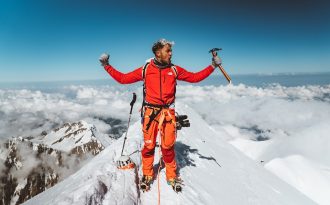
pixel 104 59
pixel 216 61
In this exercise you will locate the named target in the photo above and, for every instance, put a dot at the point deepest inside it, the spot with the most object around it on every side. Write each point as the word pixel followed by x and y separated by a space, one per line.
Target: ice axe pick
pixel 214 53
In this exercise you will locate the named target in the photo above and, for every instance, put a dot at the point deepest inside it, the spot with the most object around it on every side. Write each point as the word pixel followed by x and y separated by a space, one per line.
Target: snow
pixel 19 187
pixel 72 135
pixel 306 176
pixel 292 121
pixel 213 171
pixel 273 123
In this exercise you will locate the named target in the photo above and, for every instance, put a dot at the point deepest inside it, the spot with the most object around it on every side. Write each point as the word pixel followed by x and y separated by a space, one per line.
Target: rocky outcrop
pixel 33 164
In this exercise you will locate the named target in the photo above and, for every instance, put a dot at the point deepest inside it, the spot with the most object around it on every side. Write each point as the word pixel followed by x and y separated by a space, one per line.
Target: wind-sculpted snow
pixel 308 177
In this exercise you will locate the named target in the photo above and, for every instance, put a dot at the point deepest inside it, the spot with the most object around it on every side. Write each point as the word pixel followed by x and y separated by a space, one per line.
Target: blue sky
pixel 62 40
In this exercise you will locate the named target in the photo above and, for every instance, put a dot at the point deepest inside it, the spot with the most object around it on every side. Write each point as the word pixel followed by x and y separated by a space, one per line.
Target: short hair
pixel 160 44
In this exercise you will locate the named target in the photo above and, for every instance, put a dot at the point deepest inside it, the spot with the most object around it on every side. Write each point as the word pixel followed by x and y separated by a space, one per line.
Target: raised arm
pixel 191 77
pixel 124 78
pixel 120 77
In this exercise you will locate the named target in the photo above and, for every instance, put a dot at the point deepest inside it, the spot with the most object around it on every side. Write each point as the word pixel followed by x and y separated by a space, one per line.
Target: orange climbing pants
pixel 163 125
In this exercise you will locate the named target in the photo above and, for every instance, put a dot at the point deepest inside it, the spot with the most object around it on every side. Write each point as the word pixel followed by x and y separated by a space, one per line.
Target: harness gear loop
pixel 162 117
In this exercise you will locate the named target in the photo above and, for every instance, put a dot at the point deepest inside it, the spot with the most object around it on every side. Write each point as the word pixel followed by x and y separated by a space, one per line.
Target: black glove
pixel 182 121
pixel 104 59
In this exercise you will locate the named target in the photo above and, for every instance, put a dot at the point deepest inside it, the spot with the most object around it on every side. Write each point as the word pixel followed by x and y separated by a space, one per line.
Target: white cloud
pixel 297 119
pixel 274 111
pixel 29 112
pixel 26 112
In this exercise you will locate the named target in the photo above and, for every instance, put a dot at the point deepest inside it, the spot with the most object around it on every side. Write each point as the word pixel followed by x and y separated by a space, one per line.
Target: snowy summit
pixel 213 171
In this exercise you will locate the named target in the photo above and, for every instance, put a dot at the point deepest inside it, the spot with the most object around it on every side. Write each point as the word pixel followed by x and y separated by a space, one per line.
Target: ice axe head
pixel 214 51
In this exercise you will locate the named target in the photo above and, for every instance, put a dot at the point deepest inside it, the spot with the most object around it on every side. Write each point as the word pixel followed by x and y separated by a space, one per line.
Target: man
pixel 158 114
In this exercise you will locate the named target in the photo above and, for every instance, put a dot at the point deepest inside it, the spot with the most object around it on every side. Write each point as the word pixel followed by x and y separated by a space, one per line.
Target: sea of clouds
pixel 26 112
pixel 269 122
pixel 272 111
pixel 244 112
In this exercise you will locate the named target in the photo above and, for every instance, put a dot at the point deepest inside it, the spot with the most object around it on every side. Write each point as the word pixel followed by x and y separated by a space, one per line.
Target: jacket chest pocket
pixel 169 83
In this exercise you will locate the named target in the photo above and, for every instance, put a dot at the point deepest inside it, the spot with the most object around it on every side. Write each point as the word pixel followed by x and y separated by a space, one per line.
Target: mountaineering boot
pixel 145 183
pixel 176 184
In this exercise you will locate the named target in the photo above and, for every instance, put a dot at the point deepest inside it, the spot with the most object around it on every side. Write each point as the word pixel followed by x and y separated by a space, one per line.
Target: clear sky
pixel 62 39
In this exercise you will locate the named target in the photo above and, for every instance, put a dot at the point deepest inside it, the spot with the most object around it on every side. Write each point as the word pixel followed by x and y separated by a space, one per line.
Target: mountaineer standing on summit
pixel 158 111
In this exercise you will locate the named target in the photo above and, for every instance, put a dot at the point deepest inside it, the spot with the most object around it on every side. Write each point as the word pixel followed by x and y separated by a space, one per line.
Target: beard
pixel 162 63
pixel 166 61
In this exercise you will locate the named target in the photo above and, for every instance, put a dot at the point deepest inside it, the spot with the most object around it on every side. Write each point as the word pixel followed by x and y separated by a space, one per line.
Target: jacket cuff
pixel 212 66
pixel 107 67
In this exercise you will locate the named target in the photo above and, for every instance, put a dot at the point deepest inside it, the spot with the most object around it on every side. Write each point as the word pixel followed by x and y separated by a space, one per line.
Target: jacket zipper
pixel 160 84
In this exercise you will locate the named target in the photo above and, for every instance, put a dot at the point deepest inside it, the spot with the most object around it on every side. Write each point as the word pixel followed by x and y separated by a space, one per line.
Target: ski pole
pixel 214 53
pixel 129 119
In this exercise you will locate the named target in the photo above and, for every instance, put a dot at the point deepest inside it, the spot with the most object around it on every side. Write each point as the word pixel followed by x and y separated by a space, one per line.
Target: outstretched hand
pixel 104 59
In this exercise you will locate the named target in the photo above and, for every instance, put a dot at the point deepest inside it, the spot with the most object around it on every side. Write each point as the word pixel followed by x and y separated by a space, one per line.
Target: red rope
pixel 160 132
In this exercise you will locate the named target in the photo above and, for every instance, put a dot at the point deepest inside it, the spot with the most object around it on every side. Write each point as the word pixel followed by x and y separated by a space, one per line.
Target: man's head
pixel 163 50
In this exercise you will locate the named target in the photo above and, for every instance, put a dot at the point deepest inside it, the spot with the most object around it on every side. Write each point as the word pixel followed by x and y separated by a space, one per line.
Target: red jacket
pixel 160 83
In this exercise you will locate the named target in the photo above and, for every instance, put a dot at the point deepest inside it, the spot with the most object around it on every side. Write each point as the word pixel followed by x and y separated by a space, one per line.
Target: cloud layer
pixel 29 112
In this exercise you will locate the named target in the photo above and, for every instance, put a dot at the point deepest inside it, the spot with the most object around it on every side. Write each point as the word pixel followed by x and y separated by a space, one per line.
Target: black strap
pixel 144 70
pixel 152 117
pixel 175 71
pixel 156 106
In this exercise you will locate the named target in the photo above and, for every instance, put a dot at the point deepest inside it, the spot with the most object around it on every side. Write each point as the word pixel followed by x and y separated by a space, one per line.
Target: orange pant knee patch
pixel 168 155
pixel 148 152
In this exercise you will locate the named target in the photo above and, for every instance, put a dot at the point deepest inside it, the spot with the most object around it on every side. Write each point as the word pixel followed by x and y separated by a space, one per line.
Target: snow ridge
pixel 213 171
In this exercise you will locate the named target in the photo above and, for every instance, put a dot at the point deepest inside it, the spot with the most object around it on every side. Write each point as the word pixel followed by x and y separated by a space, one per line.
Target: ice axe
pixel 125 162
pixel 214 53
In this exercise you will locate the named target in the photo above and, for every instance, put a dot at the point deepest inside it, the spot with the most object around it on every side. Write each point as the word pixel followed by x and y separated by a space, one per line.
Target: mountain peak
pixel 33 164
pixel 213 171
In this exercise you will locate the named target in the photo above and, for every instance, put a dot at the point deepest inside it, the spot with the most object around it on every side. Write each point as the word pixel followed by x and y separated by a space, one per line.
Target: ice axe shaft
pixel 214 53
pixel 225 74
pixel 129 120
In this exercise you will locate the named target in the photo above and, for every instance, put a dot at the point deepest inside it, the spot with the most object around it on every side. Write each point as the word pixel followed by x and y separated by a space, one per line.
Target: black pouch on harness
pixel 182 121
